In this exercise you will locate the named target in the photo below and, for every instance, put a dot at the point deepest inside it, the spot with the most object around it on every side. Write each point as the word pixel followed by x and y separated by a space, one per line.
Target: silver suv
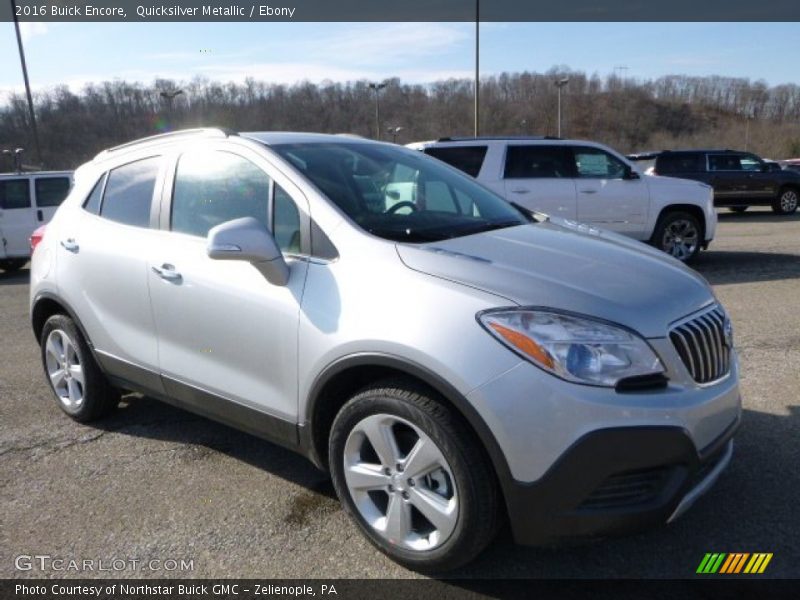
pixel 451 360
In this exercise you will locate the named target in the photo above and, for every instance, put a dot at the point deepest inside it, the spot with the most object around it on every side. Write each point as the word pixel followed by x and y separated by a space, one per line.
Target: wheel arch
pixel 346 376
pixel 47 304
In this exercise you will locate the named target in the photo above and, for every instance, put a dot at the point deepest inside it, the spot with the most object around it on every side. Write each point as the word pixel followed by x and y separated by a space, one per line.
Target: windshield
pixel 400 194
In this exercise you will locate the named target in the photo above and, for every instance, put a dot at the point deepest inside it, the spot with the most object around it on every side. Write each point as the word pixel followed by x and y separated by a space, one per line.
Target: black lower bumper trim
pixel 612 481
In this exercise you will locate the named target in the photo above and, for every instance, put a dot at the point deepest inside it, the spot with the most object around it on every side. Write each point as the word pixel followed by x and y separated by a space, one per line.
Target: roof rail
pixel 497 137
pixel 200 132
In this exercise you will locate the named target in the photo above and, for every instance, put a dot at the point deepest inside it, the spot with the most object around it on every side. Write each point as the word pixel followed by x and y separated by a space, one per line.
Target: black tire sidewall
pixel 456 550
pixel 97 395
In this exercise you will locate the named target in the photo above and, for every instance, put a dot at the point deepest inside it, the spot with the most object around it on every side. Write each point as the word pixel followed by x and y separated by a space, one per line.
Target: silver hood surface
pixel 572 267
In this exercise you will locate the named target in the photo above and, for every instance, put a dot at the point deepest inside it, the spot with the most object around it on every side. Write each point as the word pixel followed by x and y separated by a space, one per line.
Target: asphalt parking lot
pixel 153 482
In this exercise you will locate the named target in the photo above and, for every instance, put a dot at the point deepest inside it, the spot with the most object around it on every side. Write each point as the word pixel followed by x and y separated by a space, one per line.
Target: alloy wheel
pixel 681 239
pixel 400 482
pixel 64 369
pixel 789 201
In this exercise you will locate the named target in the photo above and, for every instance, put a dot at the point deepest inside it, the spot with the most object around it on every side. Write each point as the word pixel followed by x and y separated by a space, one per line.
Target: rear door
pixel 17 218
pixel 606 196
pixel 728 179
pixel 541 177
pixel 49 193
pixel 102 263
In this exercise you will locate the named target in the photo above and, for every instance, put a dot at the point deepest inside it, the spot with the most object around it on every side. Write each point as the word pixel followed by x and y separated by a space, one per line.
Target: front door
pixel 224 331
pixel 607 197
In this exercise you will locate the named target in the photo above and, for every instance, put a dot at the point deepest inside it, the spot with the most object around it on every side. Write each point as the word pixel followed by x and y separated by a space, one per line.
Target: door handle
pixel 520 191
pixel 167 272
pixel 70 245
pixel 40 215
pixel 588 191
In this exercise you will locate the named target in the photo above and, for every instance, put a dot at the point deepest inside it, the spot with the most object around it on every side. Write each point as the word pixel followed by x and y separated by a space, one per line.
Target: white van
pixel 27 201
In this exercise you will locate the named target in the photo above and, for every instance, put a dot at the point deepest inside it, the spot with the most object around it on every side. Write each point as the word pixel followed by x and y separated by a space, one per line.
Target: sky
pixel 77 53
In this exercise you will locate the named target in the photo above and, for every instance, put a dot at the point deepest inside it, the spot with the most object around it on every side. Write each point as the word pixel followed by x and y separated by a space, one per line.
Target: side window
pixel 285 222
pixel 212 187
pixel 15 193
pixel 92 203
pixel 748 162
pixel 680 163
pixel 51 191
pixel 595 163
pixel 531 162
pixel 129 193
pixel 724 162
pixel 465 158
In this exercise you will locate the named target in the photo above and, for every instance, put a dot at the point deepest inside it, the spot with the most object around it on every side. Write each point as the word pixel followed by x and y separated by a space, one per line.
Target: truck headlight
pixel 576 348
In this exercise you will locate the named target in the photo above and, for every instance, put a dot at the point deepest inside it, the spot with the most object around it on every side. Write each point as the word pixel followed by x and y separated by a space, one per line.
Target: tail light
pixel 36 237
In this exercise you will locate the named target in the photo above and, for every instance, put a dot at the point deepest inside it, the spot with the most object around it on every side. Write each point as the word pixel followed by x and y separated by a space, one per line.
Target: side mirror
pixel 247 239
pixel 630 173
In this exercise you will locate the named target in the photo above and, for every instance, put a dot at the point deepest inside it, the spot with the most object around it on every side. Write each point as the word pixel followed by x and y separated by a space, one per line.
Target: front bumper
pixel 614 481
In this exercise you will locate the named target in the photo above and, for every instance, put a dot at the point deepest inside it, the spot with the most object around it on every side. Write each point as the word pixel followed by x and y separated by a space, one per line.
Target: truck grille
pixel 703 345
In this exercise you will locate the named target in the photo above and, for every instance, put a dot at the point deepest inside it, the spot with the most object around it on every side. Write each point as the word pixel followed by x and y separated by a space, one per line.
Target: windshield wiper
pixel 484 227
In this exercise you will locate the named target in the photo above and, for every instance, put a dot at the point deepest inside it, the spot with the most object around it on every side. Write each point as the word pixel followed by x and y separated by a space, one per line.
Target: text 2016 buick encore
pixel 451 360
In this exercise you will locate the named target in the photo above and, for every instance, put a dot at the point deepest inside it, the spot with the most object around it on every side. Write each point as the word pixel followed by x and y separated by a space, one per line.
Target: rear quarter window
pixel 15 193
pixel 468 159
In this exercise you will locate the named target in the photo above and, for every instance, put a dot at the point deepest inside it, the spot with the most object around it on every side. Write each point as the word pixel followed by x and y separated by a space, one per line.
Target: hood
pixel 563 265
pixel 675 182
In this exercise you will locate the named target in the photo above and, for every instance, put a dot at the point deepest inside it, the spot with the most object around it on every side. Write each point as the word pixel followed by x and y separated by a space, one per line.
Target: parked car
pixel 740 179
pixel 451 361
pixel 589 183
pixel 27 200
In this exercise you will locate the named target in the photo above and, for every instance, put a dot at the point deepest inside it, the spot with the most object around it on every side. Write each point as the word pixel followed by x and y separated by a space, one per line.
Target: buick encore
pixel 452 360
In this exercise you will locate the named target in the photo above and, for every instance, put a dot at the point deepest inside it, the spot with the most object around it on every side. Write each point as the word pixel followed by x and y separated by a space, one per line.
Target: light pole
pixel 560 83
pixel 477 64
pixel 169 96
pixel 27 83
pixel 393 131
pixel 377 87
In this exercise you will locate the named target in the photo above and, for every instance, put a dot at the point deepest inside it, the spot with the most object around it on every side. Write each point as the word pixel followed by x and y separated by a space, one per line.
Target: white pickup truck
pixel 27 201
pixel 587 182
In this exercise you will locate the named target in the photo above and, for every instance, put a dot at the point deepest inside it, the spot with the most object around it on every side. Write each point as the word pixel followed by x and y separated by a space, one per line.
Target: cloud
pixel 30 30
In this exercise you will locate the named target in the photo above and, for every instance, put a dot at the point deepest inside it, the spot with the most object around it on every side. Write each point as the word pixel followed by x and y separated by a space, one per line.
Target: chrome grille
pixel 703 345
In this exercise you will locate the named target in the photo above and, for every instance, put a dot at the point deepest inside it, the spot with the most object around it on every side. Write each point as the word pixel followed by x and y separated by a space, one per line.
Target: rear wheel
pixel 9 265
pixel 79 386
pixel 786 203
pixel 738 209
pixel 679 235
pixel 413 477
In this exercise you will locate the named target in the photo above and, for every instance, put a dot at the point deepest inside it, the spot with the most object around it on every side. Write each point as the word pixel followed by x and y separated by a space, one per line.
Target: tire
pixel 84 393
pixel 786 202
pixel 738 209
pixel 10 265
pixel 458 479
pixel 678 234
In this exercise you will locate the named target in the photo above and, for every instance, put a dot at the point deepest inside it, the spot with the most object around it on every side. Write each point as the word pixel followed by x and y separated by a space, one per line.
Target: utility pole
pixel 477 65
pixel 560 83
pixel 27 83
pixel 377 87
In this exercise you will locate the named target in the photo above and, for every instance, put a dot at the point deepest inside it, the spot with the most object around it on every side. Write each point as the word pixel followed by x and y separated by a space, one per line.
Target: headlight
pixel 577 349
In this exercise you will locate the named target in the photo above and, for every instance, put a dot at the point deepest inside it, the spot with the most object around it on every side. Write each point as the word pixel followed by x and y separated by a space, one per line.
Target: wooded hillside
pixel 630 115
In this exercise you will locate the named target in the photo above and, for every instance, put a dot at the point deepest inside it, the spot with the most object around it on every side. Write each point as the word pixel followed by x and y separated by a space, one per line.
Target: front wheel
pixel 679 235
pixel 413 477
pixel 786 204
pixel 79 386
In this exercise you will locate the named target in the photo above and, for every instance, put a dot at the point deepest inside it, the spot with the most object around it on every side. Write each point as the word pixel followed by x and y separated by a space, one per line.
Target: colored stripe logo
pixel 734 563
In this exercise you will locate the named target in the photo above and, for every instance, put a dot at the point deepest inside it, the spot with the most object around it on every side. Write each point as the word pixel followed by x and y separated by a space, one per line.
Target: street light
pixel 560 83
pixel 169 96
pixel 377 87
pixel 393 131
